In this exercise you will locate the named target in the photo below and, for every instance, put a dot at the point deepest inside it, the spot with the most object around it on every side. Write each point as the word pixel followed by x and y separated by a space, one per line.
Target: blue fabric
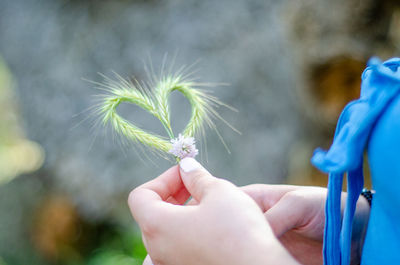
pixel 382 243
pixel 380 86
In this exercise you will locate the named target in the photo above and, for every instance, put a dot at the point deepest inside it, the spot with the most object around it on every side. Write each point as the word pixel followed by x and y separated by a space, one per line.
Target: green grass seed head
pixel 156 102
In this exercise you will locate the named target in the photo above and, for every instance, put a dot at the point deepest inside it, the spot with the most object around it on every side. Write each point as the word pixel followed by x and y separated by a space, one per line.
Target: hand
pixel 225 226
pixel 296 214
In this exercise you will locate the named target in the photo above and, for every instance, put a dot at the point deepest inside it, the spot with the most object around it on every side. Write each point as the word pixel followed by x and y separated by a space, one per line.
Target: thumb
pixel 197 180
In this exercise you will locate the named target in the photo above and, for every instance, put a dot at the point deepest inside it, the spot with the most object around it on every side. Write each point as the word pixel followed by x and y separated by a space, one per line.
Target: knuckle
pixel 133 198
pixel 148 220
pixel 295 196
pixel 151 224
pixel 149 228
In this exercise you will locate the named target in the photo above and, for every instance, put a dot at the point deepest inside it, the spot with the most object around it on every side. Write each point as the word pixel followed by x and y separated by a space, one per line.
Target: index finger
pixel 148 200
pixel 167 184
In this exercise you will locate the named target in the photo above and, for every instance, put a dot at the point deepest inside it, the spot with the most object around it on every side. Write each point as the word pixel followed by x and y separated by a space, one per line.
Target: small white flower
pixel 183 147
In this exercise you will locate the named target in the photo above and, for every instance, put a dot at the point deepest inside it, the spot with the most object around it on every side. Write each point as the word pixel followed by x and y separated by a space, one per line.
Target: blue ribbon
pixel 380 84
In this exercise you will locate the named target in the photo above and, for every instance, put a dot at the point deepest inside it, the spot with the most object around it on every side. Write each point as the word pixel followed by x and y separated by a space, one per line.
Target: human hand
pixel 296 214
pixel 225 226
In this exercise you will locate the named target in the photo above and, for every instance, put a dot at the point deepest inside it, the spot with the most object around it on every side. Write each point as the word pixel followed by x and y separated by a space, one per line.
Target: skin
pixel 224 224
pixel 296 214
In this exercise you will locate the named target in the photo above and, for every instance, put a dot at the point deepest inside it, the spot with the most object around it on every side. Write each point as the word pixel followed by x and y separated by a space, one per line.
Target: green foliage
pixel 2 262
pixel 113 258
pixel 120 248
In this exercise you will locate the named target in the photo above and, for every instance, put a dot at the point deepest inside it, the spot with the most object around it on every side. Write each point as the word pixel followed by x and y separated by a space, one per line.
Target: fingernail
pixel 189 164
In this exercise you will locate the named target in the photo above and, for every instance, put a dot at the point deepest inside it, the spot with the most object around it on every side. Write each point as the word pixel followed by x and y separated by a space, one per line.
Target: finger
pixel 180 197
pixel 148 209
pixel 197 180
pixel 167 184
pixel 172 200
pixel 147 201
pixel 267 195
pixel 285 215
pixel 147 261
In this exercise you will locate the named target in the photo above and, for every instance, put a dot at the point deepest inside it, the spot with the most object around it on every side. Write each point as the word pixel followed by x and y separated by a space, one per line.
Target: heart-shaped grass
pixel 155 101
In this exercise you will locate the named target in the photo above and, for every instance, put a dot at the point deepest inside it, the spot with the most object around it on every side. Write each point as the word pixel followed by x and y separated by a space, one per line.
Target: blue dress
pixel 373 122
pixel 382 242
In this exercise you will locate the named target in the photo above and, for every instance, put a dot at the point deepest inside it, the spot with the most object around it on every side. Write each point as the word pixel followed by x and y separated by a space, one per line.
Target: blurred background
pixel 291 66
